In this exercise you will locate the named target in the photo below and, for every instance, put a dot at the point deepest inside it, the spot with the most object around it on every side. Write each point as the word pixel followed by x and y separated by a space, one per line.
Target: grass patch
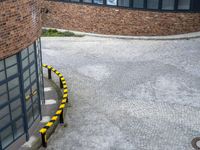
pixel 56 33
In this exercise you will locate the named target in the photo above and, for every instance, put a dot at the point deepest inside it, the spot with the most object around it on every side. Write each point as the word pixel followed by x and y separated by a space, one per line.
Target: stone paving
pixel 127 94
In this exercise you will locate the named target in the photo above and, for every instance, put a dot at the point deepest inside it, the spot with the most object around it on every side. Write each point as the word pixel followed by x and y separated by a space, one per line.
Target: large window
pixel 21 86
pixel 111 2
pixel 10 101
pixel 184 4
pixel 30 82
pixel 138 3
pixel 98 1
pixel 152 4
pixel 124 3
pixel 168 4
pixel 87 1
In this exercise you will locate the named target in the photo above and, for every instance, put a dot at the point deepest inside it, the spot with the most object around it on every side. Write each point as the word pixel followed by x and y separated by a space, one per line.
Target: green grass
pixel 56 33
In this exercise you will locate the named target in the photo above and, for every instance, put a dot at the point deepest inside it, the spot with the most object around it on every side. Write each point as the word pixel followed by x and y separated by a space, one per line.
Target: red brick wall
pixel 20 25
pixel 106 20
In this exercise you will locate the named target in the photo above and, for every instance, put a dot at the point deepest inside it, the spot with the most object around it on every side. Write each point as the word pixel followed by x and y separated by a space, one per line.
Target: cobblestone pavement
pixel 127 94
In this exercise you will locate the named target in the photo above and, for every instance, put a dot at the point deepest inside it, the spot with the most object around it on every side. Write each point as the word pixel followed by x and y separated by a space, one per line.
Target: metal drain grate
pixel 196 143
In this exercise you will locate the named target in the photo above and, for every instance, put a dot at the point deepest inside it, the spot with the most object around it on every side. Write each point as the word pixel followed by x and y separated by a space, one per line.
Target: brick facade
pixel 107 20
pixel 20 25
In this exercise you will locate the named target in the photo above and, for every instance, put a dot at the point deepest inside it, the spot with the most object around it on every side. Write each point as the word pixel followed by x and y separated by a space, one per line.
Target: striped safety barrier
pixel 59 114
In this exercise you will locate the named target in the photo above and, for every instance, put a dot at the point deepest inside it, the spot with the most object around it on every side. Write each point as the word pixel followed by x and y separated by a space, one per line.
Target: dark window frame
pixel 175 10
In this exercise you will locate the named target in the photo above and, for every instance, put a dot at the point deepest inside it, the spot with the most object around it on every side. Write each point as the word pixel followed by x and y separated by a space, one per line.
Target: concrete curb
pixel 186 36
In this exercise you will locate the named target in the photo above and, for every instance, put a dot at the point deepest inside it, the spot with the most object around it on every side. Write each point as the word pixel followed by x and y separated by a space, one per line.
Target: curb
pixel 186 36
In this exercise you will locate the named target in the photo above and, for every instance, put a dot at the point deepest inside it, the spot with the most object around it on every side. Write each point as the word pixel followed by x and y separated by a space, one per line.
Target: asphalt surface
pixel 127 94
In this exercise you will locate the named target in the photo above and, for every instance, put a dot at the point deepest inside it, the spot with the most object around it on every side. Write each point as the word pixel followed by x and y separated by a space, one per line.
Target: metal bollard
pixel 62 117
pixel 61 84
pixel 44 138
pixel 49 74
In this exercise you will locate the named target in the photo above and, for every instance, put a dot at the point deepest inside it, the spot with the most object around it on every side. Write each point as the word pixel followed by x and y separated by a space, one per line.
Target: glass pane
pixel 138 3
pixel 31 57
pixel 25 62
pixel 26 83
pixel 87 1
pixel 26 74
pixel 18 128
pixel 152 4
pixel 2 76
pixel 3 89
pixel 34 87
pixel 5 116
pixel 33 77
pixel 24 53
pixel 36 109
pixel 11 61
pixel 13 83
pixel 31 48
pixel 112 2
pixel 1 65
pixel 3 98
pixel 16 109
pixel 28 103
pixel 6 136
pixel 74 0
pixel 32 68
pixel 168 4
pixel 30 116
pixel 12 71
pixel 98 1
pixel 184 4
pixel 123 3
pixel 27 92
pixel 14 93
pixel 35 97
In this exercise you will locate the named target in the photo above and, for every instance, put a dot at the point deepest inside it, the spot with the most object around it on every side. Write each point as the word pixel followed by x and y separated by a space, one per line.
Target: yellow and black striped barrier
pixel 59 114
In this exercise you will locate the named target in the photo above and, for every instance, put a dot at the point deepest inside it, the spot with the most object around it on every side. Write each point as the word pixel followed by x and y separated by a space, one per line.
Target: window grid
pixel 14 107
pixel 155 5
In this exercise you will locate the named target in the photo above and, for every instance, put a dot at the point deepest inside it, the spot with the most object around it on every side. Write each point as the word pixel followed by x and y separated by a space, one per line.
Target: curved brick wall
pixel 107 20
pixel 20 25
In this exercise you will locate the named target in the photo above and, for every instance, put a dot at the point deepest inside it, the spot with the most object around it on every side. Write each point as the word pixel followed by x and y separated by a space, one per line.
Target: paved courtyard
pixel 127 94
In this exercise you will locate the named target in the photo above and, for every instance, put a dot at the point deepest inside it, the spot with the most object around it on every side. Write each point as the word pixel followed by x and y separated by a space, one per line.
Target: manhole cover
pixel 196 143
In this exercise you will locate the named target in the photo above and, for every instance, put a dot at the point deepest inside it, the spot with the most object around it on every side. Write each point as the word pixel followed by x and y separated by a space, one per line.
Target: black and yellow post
pixel 61 84
pixel 62 106
pixel 43 136
pixel 49 72
pixel 62 118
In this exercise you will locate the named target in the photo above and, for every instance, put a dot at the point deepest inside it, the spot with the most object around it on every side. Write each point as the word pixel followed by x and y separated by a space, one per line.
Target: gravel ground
pixel 127 94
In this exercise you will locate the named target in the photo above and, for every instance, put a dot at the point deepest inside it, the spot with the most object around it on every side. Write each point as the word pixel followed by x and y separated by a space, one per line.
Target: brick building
pixel 123 17
pixel 21 79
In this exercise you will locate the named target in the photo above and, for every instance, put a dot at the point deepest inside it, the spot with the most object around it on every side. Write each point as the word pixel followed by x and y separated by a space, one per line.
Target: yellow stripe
pixel 65 95
pixel 54 118
pixel 57 72
pixel 65 86
pixel 63 82
pixel 43 130
pixel 62 79
pixel 60 75
pixel 64 100
pixel 62 106
pixel 49 67
pixel 65 90
pixel 49 124
pixel 53 69
pixel 44 65
pixel 58 112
